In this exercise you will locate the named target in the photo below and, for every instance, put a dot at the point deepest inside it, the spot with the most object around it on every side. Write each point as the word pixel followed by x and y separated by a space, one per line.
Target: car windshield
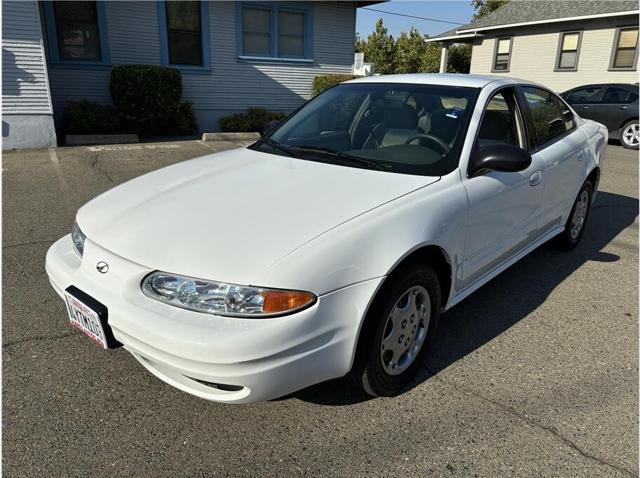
pixel 404 128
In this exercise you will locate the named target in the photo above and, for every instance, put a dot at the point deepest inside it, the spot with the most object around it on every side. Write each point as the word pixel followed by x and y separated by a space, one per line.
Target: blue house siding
pixel 230 84
pixel 27 120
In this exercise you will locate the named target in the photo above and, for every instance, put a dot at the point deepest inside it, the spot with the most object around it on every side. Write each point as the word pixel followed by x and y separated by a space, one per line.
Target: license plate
pixel 86 319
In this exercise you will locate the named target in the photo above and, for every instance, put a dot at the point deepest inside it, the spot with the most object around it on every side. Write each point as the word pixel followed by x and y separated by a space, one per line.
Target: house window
pixel 77 31
pixel 290 34
pixel 274 31
pixel 184 33
pixel 502 55
pixel 568 51
pixel 256 31
pixel 625 49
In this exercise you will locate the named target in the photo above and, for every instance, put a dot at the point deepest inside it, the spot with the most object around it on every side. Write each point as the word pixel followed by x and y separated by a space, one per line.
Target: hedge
pixel 87 117
pixel 253 120
pixel 147 98
pixel 324 82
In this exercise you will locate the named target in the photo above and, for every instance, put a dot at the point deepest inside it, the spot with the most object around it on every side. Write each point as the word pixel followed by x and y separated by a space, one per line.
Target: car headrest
pixel 399 115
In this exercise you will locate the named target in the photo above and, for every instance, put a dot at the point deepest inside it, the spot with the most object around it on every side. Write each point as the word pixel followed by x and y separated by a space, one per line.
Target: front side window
pixel 76 25
pixel 499 122
pixel 412 129
pixel 274 31
pixel 588 94
pixel 551 117
pixel 568 51
pixel 619 96
pixel 502 55
pixel 184 33
pixel 625 49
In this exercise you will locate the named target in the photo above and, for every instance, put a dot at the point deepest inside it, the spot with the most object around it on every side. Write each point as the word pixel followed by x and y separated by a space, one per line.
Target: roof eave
pixel 551 20
pixel 453 38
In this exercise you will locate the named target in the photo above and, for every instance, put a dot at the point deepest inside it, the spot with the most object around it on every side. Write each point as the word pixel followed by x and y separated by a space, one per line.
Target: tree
pixel 459 59
pixel 484 7
pixel 410 48
pixel 431 58
pixel 379 48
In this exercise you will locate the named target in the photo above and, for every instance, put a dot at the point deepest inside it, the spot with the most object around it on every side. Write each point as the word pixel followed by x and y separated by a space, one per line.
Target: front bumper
pixel 217 358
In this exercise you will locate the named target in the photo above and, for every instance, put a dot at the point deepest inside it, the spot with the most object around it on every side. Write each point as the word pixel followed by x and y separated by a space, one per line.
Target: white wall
pixel 27 120
pixel 533 55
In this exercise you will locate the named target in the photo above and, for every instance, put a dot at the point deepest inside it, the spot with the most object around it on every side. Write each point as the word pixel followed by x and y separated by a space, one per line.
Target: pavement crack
pixel 515 413
pixel 29 243
pixel 94 164
pixel 36 339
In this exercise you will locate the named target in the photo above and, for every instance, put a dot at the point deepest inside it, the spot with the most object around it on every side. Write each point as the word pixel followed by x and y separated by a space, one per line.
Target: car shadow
pixel 466 327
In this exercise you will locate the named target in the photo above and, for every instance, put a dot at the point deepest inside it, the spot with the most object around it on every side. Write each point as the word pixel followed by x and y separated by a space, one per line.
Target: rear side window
pixel 618 95
pixel 589 94
pixel 551 117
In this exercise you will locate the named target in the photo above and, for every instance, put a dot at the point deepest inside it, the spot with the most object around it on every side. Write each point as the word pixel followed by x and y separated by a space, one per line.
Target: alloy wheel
pixel 631 135
pixel 405 330
pixel 580 214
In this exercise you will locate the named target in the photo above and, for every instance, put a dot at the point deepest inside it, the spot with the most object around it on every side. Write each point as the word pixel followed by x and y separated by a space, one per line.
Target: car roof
pixel 447 79
pixel 591 85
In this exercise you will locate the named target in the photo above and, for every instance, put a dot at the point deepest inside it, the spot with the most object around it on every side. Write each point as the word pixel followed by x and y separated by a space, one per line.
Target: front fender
pixel 371 245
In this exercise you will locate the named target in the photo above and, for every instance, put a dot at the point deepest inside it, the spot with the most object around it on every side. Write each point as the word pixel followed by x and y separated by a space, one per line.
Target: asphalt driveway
pixel 534 375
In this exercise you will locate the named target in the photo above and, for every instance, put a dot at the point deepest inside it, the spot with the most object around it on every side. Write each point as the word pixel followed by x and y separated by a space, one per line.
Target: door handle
pixel 535 178
pixel 623 107
pixel 584 107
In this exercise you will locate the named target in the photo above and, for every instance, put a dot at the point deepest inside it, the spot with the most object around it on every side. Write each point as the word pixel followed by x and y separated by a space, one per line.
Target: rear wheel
pixel 574 228
pixel 630 135
pixel 398 329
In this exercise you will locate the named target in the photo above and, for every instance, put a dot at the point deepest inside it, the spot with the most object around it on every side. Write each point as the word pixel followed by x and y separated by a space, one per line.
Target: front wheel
pixel 574 228
pixel 397 331
pixel 630 135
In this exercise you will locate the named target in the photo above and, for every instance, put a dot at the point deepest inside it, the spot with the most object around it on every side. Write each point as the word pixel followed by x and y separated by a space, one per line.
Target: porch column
pixel 443 58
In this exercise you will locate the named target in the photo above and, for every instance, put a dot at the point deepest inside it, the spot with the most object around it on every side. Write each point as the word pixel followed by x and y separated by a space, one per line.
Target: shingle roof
pixel 524 11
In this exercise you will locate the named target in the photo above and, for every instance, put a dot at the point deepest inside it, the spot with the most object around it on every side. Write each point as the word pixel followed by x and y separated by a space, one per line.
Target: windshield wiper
pixel 339 154
pixel 275 145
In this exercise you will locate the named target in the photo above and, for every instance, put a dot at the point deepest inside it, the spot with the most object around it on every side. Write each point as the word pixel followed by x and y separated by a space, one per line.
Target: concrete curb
pixel 87 139
pixel 230 136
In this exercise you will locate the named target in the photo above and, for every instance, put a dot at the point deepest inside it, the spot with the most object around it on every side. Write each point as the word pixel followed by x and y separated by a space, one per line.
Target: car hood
pixel 228 216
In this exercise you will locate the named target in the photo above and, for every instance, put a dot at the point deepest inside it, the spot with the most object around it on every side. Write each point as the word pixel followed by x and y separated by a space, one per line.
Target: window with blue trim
pixel 184 35
pixel 274 31
pixel 76 32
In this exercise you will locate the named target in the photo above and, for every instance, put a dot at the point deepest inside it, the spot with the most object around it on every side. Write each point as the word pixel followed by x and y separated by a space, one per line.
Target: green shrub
pixel 253 120
pixel 87 117
pixel 324 82
pixel 184 120
pixel 148 98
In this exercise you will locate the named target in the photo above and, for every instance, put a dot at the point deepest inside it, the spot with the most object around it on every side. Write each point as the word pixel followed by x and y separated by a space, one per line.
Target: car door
pixel 616 106
pixel 503 206
pixel 564 149
pixel 586 101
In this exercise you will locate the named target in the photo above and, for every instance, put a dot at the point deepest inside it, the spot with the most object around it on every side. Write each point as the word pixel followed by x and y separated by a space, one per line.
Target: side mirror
pixel 271 125
pixel 498 157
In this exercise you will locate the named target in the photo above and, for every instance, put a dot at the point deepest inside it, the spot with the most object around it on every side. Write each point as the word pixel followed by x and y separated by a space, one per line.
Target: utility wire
pixel 411 16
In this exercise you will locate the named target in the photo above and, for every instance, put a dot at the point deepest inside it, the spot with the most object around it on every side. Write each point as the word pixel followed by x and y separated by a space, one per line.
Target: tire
pixel 577 221
pixel 387 371
pixel 630 134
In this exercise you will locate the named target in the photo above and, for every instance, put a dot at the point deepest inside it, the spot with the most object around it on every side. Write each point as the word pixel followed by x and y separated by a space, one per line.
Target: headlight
pixel 78 238
pixel 223 299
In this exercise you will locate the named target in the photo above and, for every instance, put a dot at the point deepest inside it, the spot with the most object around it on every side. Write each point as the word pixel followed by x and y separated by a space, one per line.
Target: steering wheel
pixel 441 145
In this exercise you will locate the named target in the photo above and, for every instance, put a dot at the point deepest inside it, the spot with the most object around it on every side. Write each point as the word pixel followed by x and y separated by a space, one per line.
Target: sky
pixel 453 10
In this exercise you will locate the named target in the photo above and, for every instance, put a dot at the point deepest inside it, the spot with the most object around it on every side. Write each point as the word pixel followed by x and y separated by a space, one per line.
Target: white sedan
pixel 333 244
